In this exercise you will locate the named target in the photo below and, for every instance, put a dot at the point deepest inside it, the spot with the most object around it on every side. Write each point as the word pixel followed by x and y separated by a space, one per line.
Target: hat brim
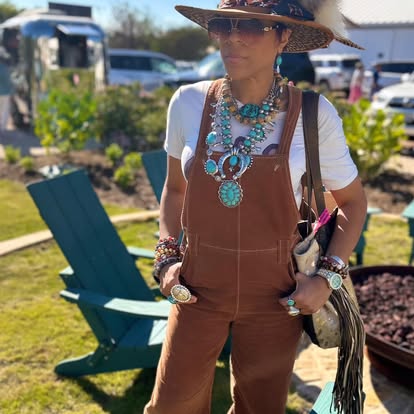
pixel 306 35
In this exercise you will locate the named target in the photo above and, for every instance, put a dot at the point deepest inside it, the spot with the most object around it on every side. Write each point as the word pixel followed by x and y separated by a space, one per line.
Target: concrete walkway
pixel 314 367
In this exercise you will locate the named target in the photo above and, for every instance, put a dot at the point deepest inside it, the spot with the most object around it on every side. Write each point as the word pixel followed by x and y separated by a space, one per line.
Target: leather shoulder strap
pixel 310 102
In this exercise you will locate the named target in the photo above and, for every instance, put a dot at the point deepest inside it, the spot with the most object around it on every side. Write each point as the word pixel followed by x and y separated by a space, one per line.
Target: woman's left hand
pixel 310 295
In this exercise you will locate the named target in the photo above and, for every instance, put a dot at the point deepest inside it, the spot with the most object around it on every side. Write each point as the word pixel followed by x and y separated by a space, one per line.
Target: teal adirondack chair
pixel 155 164
pixel 102 279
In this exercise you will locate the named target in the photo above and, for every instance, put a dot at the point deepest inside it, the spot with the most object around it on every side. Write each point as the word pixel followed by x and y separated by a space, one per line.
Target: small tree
pixel 66 120
pixel 7 10
pixel 372 136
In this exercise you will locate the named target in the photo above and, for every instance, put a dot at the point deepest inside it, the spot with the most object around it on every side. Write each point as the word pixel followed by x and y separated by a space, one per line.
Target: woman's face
pixel 248 47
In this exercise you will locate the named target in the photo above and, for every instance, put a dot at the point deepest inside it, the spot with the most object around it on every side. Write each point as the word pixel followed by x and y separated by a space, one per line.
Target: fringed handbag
pixel 338 323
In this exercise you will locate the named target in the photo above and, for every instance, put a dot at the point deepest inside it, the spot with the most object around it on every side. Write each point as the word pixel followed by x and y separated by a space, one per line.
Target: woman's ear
pixel 284 38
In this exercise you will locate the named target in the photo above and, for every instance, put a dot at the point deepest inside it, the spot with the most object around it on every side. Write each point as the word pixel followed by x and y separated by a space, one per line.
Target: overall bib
pixel 238 264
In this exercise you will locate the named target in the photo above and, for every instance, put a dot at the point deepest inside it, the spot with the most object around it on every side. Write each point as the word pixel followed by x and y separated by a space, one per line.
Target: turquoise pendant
pixel 249 111
pixel 230 193
pixel 210 167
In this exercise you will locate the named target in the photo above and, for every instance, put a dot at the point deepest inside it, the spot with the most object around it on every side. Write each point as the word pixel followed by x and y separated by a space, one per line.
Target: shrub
pixel 133 161
pixel 12 154
pixel 132 119
pixel 114 153
pixel 124 177
pixel 66 120
pixel 28 164
pixel 372 136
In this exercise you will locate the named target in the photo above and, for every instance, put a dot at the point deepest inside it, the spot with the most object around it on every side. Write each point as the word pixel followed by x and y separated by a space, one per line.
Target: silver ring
pixel 293 311
pixel 180 293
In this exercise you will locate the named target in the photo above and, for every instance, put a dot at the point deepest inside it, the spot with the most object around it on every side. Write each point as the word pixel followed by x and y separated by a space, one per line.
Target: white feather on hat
pixel 328 13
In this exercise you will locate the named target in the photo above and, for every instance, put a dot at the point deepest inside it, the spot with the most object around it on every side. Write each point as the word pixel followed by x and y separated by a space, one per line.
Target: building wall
pixel 393 43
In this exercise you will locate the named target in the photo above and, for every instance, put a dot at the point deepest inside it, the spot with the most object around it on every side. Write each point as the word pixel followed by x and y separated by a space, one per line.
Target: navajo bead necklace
pixel 238 155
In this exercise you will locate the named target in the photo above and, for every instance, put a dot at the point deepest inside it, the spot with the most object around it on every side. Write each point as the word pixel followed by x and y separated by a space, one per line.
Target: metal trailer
pixel 46 48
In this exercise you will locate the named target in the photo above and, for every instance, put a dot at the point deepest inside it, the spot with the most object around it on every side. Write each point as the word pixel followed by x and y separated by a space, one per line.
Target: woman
pixel 357 80
pixel 235 162
pixel 5 91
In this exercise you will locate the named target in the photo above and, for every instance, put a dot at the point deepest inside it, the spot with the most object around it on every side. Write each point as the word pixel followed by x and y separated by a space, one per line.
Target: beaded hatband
pixel 238 155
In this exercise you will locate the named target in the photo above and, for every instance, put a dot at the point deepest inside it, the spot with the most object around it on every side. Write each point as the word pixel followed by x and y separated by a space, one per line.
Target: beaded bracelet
pixel 161 264
pixel 334 264
pixel 167 251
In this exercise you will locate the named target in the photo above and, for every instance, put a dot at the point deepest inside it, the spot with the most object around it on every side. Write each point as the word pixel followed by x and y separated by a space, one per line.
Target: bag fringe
pixel 348 394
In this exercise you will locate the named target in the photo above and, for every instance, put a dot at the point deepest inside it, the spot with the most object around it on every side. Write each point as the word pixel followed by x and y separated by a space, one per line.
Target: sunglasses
pixel 249 30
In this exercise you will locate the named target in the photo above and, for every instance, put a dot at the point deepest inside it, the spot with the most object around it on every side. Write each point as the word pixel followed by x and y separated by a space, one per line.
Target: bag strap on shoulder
pixel 310 102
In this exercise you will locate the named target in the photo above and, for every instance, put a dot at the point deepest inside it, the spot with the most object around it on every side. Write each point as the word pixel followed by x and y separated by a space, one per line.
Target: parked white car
pixel 391 72
pixel 334 71
pixel 150 69
pixel 398 98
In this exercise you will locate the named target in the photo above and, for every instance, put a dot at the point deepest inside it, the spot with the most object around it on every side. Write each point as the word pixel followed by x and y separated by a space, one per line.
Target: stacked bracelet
pixel 334 264
pixel 167 251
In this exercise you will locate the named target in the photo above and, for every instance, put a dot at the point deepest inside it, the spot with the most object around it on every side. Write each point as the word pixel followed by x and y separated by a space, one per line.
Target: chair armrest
pixel 143 309
pixel 137 253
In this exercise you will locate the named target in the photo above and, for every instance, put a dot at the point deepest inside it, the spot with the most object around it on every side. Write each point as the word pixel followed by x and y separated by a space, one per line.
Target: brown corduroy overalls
pixel 238 264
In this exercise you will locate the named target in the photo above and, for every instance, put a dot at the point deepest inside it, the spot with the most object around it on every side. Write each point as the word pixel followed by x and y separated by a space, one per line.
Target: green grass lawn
pixel 38 328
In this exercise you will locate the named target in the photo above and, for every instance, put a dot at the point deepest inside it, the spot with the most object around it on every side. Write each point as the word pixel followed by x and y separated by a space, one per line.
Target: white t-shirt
pixel 337 168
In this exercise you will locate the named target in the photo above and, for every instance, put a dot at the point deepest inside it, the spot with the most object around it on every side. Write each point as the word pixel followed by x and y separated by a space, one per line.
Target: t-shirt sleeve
pixel 337 167
pixel 174 140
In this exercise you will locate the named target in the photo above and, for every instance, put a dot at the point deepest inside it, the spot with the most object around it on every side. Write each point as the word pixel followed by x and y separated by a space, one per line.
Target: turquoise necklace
pixel 238 156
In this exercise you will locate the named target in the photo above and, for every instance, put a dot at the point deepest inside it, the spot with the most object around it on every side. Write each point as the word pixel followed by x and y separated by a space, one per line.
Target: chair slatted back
pixel 100 261
pixel 155 164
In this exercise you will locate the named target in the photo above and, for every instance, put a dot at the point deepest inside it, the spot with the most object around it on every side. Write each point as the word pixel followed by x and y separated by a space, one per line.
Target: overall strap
pixel 293 111
pixel 212 97
pixel 310 101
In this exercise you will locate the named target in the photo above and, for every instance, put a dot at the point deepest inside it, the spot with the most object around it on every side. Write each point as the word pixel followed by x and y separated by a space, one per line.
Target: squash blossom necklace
pixel 238 155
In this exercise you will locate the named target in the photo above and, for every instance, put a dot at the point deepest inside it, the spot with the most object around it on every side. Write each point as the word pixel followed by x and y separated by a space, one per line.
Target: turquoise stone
pixel 262 116
pixel 253 134
pixel 225 122
pixel 226 131
pixel 234 159
pixel 266 107
pixel 211 167
pixel 247 143
pixel 249 111
pixel 211 138
pixel 225 112
pixel 259 126
pixel 227 141
pixel 230 193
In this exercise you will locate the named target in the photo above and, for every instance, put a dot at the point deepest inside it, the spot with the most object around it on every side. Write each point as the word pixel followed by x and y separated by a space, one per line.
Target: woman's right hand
pixel 170 276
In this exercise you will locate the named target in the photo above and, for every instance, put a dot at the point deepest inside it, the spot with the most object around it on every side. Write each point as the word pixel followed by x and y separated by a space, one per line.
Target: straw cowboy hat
pixel 314 23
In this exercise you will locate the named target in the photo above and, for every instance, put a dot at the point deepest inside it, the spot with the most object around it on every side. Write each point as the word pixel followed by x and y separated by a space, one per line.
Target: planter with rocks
pixel 386 298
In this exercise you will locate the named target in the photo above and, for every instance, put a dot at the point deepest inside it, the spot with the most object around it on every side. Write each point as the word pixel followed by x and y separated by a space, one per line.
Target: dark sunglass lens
pixel 250 27
pixel 219 26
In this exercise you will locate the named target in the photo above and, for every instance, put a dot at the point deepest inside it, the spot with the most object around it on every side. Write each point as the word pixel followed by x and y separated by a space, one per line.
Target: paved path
pixel 315 367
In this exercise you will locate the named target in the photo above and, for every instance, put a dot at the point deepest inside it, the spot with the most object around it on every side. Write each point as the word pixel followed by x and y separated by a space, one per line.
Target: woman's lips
pixel 233 59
